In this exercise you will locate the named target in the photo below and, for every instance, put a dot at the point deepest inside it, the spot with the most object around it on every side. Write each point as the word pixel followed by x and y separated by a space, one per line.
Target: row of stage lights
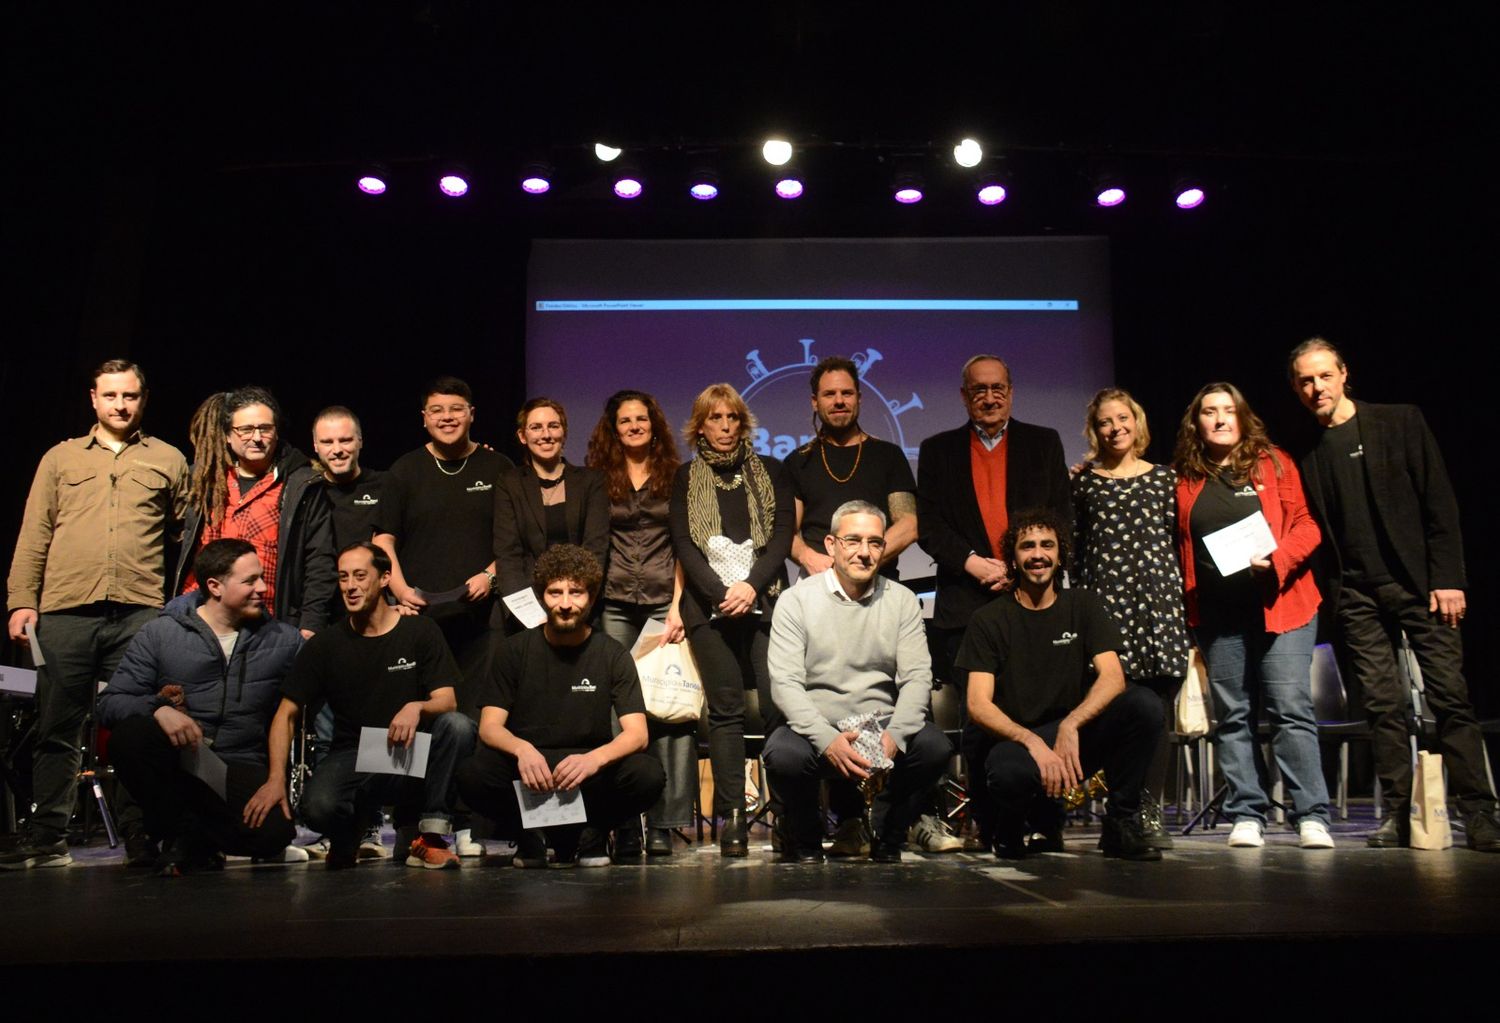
pixel 907 189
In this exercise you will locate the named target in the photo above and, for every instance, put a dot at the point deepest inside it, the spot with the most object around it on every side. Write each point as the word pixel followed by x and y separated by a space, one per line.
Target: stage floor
pixel 1042 913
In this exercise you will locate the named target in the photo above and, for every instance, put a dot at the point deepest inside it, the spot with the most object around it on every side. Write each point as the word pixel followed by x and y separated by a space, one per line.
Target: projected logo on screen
pixel 779 399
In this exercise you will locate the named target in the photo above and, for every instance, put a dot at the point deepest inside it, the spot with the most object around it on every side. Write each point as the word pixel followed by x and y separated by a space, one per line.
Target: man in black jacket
pixel 969 482
pixel 1378 486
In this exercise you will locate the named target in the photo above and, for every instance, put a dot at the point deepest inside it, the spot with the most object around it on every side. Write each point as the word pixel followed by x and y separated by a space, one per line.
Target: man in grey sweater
pixel 850 642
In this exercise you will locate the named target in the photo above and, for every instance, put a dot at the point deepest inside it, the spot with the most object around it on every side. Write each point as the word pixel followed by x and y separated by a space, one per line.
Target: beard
pixel 566 625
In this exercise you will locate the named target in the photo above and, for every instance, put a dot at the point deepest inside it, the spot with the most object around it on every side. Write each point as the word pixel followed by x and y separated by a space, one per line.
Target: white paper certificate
pixel 524 606
pixel 1234 547
pixel 649 639
pixel 202 762
pixel 378 756
pixel 550 809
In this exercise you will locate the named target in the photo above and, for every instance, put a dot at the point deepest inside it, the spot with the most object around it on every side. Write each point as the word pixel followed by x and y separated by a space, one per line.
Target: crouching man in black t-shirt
pixel 545 721
pixel 377 669
pixel 1048 704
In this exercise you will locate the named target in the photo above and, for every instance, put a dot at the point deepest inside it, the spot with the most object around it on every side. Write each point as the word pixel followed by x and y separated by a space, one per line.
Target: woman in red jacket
pixel 1256 626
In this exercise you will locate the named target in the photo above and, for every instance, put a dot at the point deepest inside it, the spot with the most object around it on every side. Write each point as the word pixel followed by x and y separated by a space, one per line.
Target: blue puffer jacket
pixel 232 702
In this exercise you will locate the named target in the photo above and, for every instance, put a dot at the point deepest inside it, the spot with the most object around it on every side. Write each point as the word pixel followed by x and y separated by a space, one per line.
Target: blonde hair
pixel 1142 431
pixel 703 406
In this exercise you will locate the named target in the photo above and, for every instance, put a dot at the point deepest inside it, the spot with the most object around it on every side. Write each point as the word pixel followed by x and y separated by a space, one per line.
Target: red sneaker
pixel 432 852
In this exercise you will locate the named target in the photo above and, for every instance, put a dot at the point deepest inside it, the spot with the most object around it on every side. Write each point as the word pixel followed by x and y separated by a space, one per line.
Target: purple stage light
pixel 371 185
pixel 789 188
pixel 453 186
pixel 628 188
pixel 704 190
pixel 535 185
pixel 1190 198
pixel 992 195
pixel 1112 196
pixel 907 196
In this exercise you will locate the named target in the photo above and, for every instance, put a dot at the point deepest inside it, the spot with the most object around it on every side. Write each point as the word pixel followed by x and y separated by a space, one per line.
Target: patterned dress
pixel 1126 553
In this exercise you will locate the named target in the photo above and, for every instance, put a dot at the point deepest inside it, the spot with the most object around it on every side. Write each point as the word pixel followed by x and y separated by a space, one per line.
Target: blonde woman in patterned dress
pixel 1126 520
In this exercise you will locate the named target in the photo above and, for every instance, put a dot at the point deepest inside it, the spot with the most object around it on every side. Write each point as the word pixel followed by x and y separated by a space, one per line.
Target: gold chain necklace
pixel 859 449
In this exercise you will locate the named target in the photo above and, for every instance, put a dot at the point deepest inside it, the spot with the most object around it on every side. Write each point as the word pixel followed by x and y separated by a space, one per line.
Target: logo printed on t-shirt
pixel 479 487
pixel 1358 452
pixel 366 501
pixel 1065 639
pixel 1246 491
pixel 402 664
pixel 584 686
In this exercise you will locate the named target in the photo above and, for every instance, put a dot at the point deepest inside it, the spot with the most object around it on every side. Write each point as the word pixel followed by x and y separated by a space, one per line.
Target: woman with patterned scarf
pixel 732 519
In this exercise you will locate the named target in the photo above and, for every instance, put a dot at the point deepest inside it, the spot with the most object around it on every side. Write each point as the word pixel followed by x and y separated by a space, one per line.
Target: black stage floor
pixel 695 918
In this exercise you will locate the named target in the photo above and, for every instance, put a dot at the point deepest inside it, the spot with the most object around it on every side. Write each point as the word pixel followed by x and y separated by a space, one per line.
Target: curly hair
pixel 1191 458
pixel 607 454
pixel 1036 518
pixel 1142 432
pixel 567 561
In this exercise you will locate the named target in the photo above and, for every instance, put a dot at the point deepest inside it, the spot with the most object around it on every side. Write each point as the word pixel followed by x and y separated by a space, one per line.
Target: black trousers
pixel 179 806
pixel 1121 740
pixel 619 792
pixel 795 769
pixel 731 657
pixel 1371 619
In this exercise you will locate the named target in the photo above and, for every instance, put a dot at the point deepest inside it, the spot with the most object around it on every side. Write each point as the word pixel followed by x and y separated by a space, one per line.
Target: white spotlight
pixel 605 153
pixel 968 153
pixel 777 152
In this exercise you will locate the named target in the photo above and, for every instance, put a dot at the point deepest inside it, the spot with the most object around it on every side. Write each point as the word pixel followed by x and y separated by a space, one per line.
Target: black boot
pixel 628 841
pixel 659 842
pixel 732 840
pixel 1124 839
pixel 1152 828
pixel 1394 833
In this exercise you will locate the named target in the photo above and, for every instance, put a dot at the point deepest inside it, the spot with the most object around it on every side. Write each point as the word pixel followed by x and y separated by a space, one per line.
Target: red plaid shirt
pixel 256 517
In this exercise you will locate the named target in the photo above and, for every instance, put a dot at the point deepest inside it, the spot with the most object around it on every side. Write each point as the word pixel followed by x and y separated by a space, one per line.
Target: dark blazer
pixel 948 517
pixel 521 521
pixel 1413 499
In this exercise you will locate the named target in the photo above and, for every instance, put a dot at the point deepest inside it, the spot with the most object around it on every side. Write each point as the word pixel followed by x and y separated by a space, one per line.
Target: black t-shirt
pixel 560 697
pixel 367 679
pixel 1223 601
pixel 355 507
pixel 882 470
pixel 1362 544
pixel 443 516
pixel 1042 660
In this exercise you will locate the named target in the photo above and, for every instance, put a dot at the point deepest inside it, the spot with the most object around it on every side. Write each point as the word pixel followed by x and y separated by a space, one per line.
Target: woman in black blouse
pixel 732 518
pixel 632 447
pixel 545 500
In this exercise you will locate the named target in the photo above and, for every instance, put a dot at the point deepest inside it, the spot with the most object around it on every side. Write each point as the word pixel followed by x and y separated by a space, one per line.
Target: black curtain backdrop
pixel 266 266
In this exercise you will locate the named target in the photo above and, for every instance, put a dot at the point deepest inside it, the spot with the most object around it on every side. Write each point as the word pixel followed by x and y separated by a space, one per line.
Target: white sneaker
pixel 1313 834
pixel 930 835
pixel 371 847
pixel 1246 835
pixel 465 845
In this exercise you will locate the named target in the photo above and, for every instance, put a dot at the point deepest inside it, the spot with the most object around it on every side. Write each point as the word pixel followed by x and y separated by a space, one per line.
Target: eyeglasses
pixel 998 390
pixel 246 432
pixel 434 411
pixel 854 543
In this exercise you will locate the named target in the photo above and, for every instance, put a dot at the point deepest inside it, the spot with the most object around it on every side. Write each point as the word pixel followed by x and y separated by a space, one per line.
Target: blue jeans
pixel 1253 672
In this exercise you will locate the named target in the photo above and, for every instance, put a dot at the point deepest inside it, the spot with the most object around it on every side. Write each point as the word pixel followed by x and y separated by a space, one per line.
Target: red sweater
pixel 1284 505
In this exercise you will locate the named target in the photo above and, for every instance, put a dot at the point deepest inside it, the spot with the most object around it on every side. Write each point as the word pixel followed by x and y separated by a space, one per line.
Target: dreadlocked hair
pixel 209 489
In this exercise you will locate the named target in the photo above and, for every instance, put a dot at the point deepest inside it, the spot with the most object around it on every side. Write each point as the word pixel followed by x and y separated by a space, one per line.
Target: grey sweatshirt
pixel 831 657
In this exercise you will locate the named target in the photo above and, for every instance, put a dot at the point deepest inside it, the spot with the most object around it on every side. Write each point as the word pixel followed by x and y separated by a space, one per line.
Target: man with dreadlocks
pixel 247 484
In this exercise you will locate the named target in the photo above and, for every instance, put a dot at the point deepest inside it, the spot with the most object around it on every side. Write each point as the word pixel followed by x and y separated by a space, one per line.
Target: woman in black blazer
pixel 732 519
pixel 545 501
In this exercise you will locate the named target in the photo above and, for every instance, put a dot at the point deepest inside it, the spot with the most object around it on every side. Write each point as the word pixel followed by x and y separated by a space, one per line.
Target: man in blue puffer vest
pixel 206 673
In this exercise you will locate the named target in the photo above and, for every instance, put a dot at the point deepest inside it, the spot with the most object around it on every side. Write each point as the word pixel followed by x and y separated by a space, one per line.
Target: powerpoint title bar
pixel 629 305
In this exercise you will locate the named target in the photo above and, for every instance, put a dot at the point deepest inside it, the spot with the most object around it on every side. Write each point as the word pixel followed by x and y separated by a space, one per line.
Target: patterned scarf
pixel 703 503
